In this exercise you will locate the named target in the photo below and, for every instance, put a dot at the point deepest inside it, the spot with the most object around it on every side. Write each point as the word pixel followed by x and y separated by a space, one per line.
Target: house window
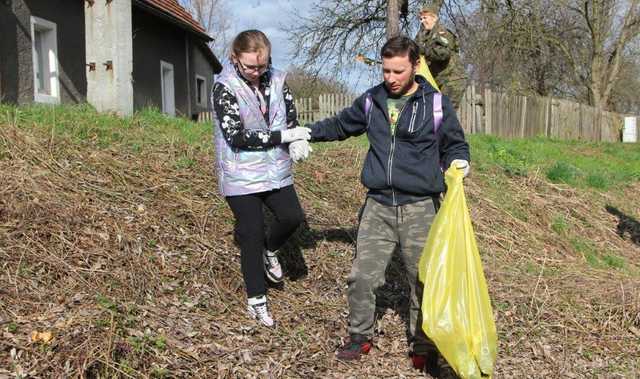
pixel 201 91
pixel 168 88
pixel 44 44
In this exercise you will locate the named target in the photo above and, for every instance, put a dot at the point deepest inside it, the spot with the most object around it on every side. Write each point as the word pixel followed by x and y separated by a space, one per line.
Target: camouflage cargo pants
pixel 381 229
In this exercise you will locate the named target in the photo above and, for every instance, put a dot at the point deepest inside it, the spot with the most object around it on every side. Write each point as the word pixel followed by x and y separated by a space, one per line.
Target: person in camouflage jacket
pixel 440 49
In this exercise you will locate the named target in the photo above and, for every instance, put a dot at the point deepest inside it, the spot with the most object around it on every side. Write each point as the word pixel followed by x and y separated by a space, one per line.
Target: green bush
pixel 512 162
pixel 597 181
pixel 562 172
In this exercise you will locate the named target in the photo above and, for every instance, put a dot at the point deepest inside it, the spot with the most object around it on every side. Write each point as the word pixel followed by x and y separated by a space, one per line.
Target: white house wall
pixel 109 39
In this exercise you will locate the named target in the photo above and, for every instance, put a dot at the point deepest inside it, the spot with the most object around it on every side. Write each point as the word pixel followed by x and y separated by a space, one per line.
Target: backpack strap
pixel 437 112
pixel 368 102
pixel 437 120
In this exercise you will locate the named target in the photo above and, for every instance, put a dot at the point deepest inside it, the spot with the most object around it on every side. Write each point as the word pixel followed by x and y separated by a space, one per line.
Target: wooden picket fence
pixel 205 117
pixel 327 105
pixel 485 111
pixel 309 109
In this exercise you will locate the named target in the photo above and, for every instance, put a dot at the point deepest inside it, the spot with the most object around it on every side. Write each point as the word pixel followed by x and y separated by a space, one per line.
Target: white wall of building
pixel 109 37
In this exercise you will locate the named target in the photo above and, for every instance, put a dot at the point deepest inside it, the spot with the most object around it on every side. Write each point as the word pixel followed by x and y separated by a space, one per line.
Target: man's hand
pixel 296 134
pixel 299 150
pixel 461 164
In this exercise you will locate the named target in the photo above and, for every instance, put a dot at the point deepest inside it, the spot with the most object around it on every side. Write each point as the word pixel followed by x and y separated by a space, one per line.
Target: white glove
pixel 295 134
pixel 299 150
pixel 461 164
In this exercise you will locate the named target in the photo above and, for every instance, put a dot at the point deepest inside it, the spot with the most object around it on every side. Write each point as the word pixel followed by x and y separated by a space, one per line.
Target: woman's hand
pixel 299 150
pixel 296 134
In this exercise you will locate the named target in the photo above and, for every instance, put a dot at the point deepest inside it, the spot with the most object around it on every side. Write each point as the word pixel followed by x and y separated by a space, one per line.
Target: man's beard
pixel 404 89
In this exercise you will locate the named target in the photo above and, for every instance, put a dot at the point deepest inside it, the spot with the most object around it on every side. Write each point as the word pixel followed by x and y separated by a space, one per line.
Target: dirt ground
pixel 128 260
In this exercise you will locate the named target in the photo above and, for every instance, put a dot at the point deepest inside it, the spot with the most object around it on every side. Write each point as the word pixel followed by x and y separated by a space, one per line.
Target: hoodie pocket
pixel 414 116
pixel 413 123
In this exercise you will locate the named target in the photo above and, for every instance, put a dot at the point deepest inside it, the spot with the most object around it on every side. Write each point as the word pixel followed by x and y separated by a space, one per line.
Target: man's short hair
pixel 400 46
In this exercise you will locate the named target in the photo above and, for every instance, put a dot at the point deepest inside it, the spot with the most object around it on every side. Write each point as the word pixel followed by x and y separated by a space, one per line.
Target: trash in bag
pixel 423 70
pixel 456 309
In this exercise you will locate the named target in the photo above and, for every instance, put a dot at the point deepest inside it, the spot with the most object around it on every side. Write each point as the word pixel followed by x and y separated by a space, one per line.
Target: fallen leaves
pixel 158 245
pixel 44 337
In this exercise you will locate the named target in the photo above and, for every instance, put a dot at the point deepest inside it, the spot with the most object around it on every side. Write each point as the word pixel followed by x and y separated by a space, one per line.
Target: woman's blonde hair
pixel 251 41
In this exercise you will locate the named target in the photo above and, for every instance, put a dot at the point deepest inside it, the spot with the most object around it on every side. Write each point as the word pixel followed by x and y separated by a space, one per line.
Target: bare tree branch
pixel 215 16
pixel 335 32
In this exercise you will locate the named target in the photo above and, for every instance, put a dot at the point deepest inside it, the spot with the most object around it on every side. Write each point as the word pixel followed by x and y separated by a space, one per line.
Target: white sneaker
pixel 272 267
pixel 258 310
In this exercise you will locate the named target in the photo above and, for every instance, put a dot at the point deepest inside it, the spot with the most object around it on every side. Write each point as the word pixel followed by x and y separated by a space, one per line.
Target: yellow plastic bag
pixel 423 70
pixel 456 309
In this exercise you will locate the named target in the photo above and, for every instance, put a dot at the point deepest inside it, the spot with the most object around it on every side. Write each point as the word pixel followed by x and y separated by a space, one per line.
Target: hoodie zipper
pixel 413 116
pixel 390 166
pixel 393 149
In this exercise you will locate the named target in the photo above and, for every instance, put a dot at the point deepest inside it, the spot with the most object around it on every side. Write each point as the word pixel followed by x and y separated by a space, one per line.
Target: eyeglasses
pixel 257 68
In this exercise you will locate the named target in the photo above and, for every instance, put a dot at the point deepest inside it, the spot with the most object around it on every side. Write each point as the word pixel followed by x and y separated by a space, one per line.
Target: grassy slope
pixel 112 236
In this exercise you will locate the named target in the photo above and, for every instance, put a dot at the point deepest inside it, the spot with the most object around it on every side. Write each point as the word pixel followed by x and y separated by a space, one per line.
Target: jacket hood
pixel 380 94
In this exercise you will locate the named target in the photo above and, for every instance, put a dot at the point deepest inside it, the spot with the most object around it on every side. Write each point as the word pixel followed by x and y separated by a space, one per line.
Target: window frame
pixel 203 94
pixel 50 45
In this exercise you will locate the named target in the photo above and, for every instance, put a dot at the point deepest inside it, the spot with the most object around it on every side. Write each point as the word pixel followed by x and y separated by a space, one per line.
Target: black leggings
pixel 248 212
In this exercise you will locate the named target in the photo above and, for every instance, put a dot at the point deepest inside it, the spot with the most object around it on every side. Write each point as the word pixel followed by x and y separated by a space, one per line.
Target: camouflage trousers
pixel 382 229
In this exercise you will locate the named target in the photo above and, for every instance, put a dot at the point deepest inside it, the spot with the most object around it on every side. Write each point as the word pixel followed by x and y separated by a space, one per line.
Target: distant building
pixel 118 55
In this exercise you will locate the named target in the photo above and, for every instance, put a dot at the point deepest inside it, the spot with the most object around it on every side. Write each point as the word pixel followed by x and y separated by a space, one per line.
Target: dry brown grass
pixel 128 258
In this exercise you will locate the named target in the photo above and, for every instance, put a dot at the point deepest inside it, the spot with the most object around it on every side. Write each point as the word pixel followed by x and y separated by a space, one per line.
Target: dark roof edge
pixel 217 65
pixel 157 12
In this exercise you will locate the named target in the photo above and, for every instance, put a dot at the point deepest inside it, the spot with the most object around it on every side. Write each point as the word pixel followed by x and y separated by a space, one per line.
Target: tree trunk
pixel 608 44
pixel 393 18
